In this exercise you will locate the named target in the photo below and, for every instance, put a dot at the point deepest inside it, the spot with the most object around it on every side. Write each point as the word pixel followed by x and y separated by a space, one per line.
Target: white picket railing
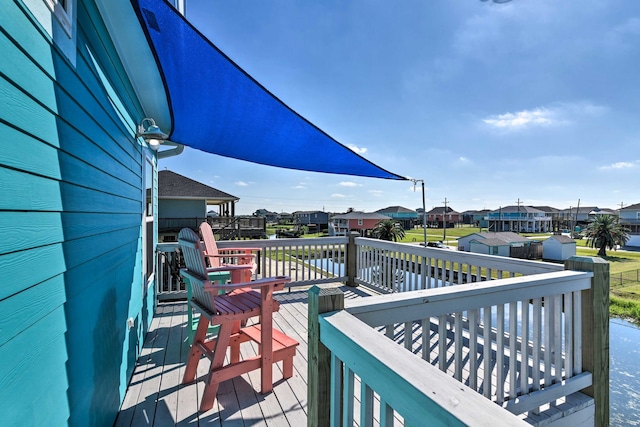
pixel 505 339
pixel 377 383
pixel 400 267
pixel 306 261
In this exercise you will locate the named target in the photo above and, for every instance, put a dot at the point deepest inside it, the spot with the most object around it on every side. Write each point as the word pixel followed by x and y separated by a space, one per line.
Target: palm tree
pixel 604 232
pixel 388 229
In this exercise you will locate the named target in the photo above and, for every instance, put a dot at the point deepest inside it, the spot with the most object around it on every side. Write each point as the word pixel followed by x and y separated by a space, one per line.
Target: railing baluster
pixel 348 397
pixel 486 347
pixel 568 334
pixel 458 346
pixel 386 414
pixel 442 343
pixel 426 339
pixel 366 405
pixel 500 345
pixel 557 342
pixel 513 350
pixel 524 348
pixel 548 339
pixel 577 327
pixel 473 349
pixel 408 336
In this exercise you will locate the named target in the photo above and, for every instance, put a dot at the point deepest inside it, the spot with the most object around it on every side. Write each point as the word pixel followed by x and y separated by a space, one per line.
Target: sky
pixel 534 102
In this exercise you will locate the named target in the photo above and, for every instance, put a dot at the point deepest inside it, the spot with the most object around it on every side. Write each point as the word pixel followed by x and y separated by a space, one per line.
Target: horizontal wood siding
pixel 71 206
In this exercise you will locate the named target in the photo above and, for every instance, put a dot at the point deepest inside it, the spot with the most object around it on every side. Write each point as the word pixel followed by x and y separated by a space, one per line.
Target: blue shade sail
pixel 218 108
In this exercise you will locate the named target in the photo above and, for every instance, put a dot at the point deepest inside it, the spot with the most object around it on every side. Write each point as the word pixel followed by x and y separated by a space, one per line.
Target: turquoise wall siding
pixel 71 206
pixel 168 208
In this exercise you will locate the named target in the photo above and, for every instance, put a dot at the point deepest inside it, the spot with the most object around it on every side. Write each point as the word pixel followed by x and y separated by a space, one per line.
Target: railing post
pixel 319 357
pixel 595 332
pixel 351 259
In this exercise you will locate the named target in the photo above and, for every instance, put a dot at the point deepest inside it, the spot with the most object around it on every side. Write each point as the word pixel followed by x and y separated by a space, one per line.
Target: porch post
pixel 595 331
pixel 319 357
pixel 351 259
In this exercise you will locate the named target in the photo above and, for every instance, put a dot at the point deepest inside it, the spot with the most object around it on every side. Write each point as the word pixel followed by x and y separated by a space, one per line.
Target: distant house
pixel 406 217
pixel 313 219
pixel 558 248
pixel 267 215
pixel 362 222
pixel 525 219
pixel 439 216
pixel 285 218
pixel 183 202
pixel 476 218
pixel 630 218
pixel 554 213
pixel 581 216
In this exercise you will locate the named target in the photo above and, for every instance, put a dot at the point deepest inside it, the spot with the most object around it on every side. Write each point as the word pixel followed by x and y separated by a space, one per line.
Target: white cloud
pixel 241 184
pixel 376 193
pixel 299 187
pixel 621 165
pixel 350 184
pixel 521 119
pixel 557 114
pixel 338 196
pixel 359 150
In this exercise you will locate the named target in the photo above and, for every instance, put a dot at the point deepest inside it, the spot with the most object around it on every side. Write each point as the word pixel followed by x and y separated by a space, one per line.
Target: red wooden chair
pixel 228 310
pixel 243 268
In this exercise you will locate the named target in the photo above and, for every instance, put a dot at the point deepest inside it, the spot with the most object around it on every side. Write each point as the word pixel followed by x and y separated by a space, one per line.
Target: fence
pixel 625 278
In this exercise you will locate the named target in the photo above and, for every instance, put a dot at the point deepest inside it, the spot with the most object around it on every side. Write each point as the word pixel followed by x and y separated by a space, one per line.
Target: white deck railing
pixel 517 341
pixel 306 261
pixel 400 267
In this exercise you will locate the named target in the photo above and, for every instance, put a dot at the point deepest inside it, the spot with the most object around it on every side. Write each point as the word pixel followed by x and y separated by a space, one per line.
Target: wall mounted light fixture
pixel 151 133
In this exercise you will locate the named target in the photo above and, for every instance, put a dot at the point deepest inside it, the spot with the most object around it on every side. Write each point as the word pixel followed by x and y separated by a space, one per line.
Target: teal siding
pixel 71 211
pixel 172 208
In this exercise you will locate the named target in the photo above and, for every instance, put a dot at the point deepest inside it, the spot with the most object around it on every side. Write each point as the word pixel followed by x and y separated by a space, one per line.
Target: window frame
pixel 63 11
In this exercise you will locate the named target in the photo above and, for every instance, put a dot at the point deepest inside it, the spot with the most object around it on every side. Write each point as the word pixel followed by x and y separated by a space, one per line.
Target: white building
pixel 558 248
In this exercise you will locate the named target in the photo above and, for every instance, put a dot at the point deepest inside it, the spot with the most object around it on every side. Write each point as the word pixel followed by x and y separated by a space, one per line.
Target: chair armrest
pixel 239 249
pixel 277 283
pixel 230 255
pixel 230 267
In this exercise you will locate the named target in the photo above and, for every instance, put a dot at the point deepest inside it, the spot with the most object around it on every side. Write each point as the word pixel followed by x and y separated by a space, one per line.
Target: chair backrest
pixel 194 260
pixel 210 244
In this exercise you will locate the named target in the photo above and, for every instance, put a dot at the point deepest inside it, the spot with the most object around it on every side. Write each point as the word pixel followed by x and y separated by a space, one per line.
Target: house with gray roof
pixel 524 219
pixel 406 217
pixel 183 202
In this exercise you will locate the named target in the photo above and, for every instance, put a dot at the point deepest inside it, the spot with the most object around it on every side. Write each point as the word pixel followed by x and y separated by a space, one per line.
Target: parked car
pixel 435 245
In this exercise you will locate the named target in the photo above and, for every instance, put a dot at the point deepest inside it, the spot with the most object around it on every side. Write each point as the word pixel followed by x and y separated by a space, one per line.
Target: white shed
pixel 558 248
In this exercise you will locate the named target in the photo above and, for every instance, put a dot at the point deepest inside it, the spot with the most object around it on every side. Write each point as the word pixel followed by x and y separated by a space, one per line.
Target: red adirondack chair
pixel 243 268
pixel 228 310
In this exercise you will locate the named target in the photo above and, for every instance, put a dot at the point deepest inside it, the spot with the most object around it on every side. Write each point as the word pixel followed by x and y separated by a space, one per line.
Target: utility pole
pixel 577 213
pixel 424 210
pixel 444 222
pixel 619 210
pixel 518 202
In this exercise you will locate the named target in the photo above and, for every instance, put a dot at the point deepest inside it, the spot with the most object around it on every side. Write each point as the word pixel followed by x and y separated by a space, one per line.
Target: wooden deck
pixel 156 397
